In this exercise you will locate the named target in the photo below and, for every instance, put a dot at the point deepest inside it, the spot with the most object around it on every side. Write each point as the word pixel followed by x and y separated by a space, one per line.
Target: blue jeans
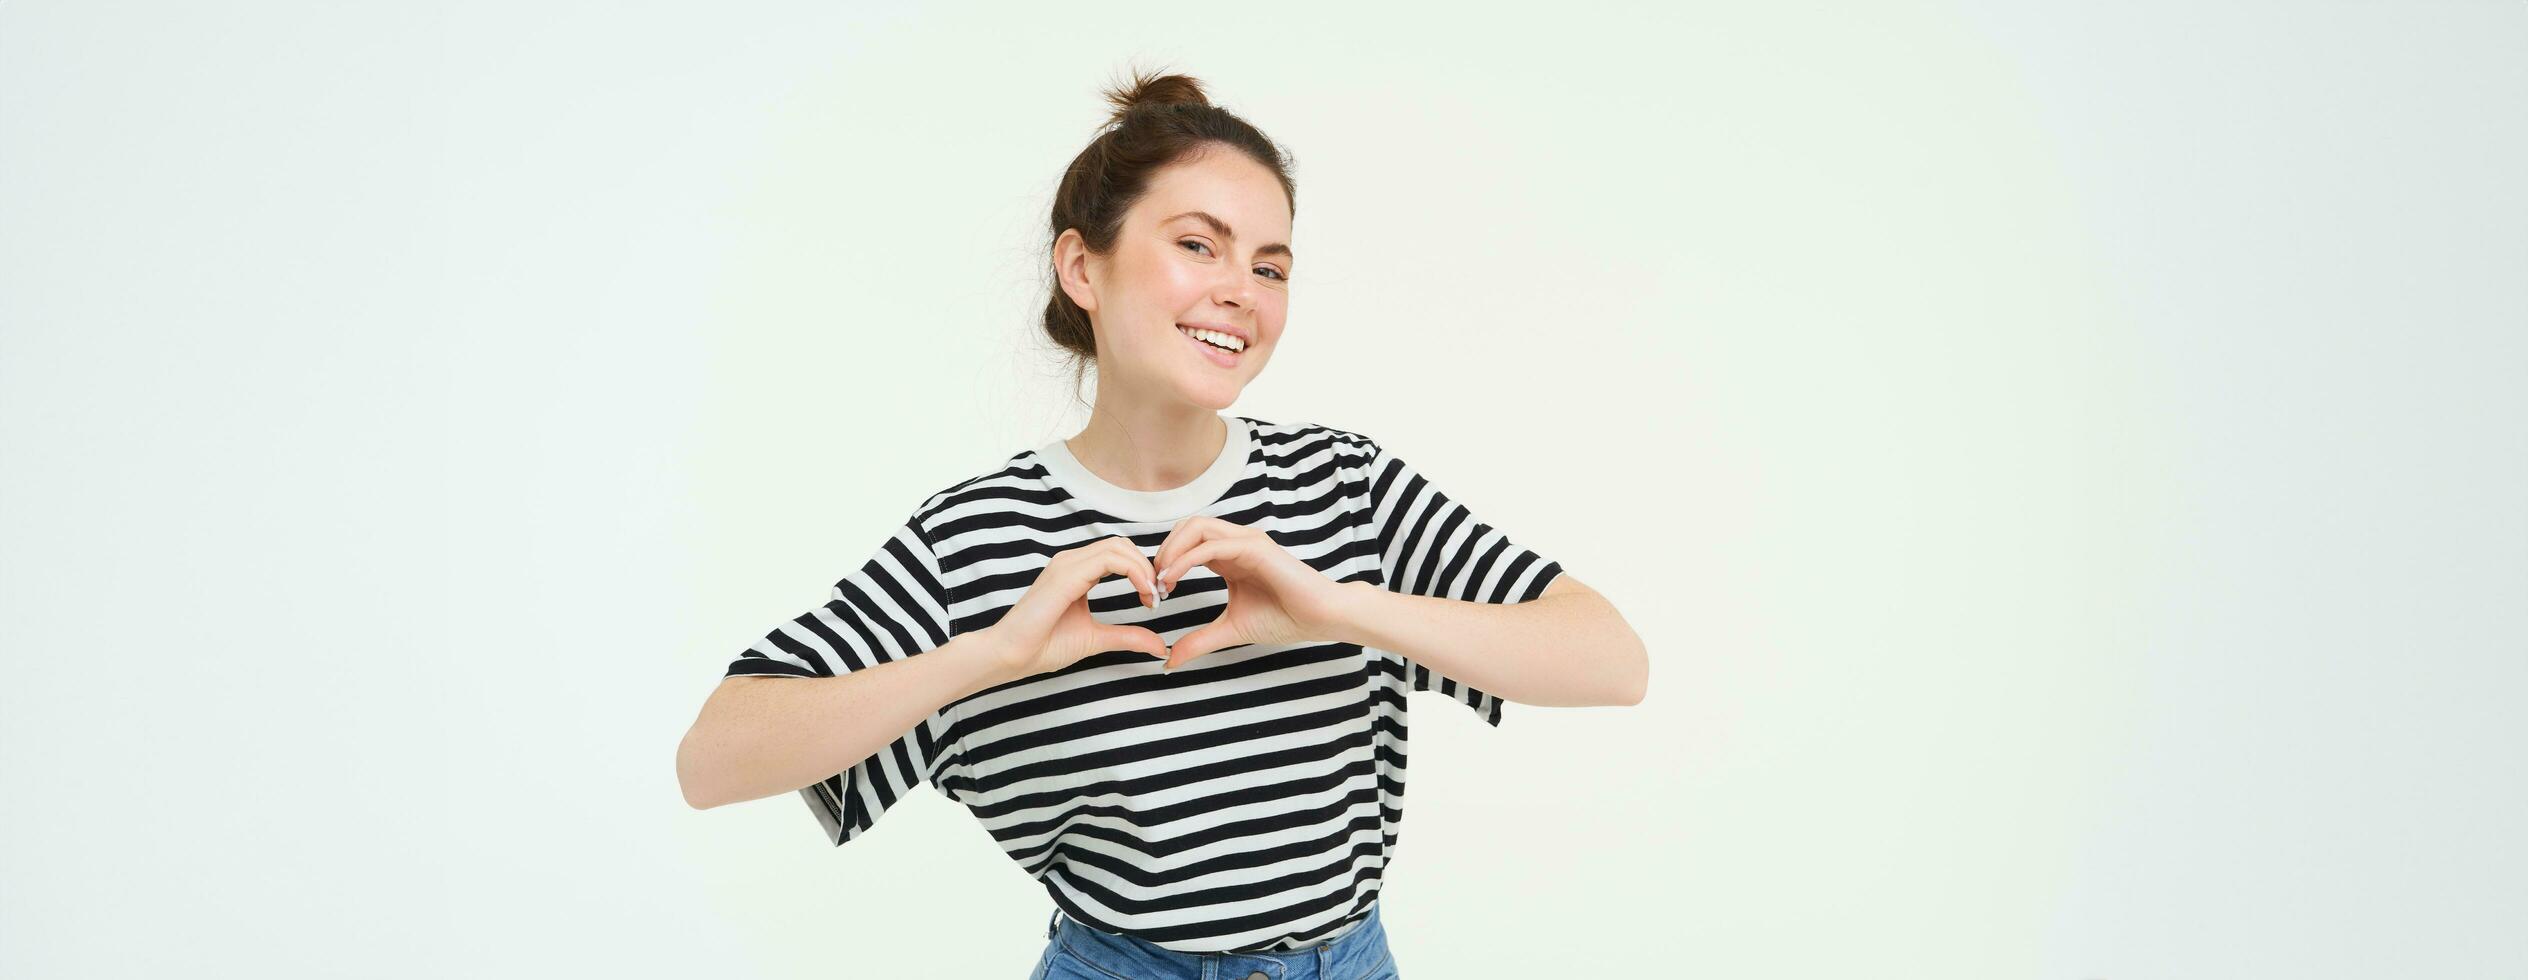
pixel 1077 952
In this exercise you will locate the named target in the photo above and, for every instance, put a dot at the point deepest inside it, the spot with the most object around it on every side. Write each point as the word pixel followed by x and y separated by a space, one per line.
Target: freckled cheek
pixel 1269 321
pixel 1185 284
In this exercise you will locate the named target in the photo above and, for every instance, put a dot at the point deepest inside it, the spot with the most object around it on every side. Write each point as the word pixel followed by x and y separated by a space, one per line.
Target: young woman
pixel 1165 661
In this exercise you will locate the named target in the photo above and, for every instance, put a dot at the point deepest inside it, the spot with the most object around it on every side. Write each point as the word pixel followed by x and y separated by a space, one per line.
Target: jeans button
pixel 1257 975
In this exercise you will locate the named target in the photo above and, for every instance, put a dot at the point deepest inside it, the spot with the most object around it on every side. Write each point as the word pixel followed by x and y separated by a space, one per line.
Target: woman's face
pixel 1171 269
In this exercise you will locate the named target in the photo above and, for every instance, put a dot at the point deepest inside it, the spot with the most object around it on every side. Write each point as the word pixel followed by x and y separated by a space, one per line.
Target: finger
pixel 1116 555
pixel 1149 571
pixel 1207 531
pixel 1205 640
pixel 1186 534
pixel 1125 559
pixel 1214 553
pixel 1173 569
pixel 1109 557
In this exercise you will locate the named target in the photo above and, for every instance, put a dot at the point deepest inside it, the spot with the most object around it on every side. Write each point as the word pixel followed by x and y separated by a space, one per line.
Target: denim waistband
pixel 1358 953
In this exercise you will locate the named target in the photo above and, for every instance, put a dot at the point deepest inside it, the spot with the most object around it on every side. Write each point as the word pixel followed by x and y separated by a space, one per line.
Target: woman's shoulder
pixel 1277 433
pixel 1015 477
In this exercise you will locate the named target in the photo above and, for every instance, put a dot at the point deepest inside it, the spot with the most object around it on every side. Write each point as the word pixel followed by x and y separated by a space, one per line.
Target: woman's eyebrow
pixel 1222 229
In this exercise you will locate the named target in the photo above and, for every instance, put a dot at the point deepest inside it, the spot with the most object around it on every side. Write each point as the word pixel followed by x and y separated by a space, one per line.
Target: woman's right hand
pixel 1049 628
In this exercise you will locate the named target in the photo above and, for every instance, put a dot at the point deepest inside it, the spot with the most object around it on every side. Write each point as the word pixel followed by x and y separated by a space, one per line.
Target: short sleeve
pixel 1429 544
pixel 892 607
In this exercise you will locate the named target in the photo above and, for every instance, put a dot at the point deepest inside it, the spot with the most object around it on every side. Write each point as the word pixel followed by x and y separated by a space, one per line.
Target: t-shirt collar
pixel 1172 504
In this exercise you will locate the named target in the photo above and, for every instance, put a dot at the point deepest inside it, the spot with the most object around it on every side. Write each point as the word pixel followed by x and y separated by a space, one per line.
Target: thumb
pixel 1201 641
pixel 1136 638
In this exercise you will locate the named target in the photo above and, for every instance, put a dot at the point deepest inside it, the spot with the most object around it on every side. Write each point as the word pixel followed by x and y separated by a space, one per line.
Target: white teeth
pixel 1215 337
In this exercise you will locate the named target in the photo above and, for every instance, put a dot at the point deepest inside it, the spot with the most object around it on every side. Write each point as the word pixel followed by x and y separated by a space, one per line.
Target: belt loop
pixel 1050 923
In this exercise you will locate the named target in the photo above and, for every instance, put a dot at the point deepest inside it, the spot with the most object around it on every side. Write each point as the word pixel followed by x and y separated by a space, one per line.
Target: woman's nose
pixel 1234 291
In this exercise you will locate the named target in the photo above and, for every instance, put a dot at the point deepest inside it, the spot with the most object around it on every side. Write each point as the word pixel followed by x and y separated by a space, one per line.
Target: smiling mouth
pixel 1219 355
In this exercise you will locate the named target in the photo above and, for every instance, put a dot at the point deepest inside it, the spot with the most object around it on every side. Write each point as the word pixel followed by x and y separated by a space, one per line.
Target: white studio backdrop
pixel 2066 461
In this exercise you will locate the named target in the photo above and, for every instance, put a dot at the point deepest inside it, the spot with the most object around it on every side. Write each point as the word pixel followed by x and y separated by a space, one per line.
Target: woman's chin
pixel 1215 393
pixel 1213 397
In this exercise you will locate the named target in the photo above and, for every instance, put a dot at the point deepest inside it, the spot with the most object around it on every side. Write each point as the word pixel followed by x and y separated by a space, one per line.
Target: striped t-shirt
pixel 1247 801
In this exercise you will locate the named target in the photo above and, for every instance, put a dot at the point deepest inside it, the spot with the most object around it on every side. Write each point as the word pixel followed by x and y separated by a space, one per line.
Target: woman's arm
pixel 1567 647
pixel 761 736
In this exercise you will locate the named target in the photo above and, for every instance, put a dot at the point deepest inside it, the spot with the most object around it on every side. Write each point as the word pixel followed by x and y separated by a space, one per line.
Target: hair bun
pixel 1154 89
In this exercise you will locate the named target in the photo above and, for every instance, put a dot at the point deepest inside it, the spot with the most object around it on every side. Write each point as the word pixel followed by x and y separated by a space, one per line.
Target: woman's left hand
pixel 1273 596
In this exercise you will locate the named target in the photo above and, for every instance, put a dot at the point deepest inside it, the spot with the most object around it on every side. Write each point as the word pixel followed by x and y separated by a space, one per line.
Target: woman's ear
pixel 1074 267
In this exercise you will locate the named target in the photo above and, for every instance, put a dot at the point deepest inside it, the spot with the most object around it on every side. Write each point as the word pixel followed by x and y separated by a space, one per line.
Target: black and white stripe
pixel 1248 800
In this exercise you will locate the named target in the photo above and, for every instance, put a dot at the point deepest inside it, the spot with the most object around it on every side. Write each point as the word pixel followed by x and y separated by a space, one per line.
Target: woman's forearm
pixel 1567 650
pixel 762 735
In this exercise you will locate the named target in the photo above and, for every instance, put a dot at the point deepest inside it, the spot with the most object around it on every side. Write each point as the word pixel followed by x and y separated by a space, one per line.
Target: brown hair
pixel 1158 120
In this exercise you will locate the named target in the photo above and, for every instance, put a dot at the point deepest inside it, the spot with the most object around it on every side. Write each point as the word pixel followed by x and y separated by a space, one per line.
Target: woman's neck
pixel 1154 450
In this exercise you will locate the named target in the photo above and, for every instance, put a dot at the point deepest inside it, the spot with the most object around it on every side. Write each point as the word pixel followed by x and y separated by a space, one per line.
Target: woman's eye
pixel 1277 273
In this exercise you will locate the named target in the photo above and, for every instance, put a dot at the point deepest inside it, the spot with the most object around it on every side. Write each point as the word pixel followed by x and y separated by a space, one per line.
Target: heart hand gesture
pixel 1049 627
pixel 1273 596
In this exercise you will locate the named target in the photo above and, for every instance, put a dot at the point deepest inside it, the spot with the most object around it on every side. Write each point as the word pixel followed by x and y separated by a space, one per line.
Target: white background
pixel 2067 463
